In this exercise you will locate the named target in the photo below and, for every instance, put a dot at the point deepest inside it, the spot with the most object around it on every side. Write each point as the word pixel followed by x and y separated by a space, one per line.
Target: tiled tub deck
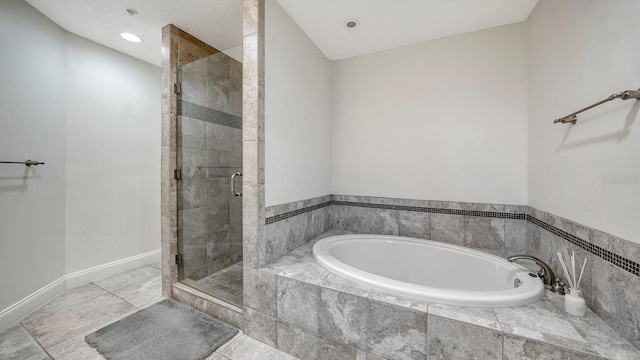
pixel 319 315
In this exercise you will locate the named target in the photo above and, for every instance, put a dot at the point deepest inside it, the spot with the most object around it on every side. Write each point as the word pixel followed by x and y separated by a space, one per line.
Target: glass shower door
pixel 209 153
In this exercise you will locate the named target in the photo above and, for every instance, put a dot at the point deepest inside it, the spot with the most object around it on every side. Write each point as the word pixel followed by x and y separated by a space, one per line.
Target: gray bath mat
pixel 166 330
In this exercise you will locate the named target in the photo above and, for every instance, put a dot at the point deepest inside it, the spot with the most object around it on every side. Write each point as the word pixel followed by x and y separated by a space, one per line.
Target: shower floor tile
pixel 225 284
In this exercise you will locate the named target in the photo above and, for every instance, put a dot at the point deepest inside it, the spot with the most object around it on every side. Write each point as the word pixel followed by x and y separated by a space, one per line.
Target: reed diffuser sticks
pixel 574 282
pixel 574 304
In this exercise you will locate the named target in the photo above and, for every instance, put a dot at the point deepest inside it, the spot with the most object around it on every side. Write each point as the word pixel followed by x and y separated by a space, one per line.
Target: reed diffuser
pixel 573 301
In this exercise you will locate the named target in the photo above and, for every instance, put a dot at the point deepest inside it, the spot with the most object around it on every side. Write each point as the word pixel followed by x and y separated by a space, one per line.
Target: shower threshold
pixel 225 284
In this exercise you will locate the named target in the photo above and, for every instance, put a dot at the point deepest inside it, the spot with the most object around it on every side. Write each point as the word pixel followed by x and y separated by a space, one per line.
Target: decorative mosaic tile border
pixel 275 218
pixel 490 214
pixel 604 254
pixel 204 113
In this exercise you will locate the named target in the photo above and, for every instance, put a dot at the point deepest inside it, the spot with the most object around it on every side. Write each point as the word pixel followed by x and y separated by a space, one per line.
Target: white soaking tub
pixel 428 270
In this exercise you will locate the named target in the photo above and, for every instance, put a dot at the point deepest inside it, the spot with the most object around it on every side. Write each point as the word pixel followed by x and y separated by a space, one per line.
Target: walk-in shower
pixel 209 154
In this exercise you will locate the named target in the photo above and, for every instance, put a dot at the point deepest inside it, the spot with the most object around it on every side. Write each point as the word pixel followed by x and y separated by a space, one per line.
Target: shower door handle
pixel 233 184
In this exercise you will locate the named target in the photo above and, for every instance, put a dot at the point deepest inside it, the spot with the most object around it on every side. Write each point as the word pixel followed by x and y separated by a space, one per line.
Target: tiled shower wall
pixel 209 151
pixel 611 283
pixel 201 133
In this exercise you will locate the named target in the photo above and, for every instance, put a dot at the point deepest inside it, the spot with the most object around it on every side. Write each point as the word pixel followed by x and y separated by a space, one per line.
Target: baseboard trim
pixel 86 276
pixel 24 307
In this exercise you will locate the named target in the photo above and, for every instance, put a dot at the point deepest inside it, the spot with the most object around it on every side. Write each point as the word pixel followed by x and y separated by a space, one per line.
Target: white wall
pixel 31 126
pixel 113 155
pixel 444 119
pixel 580 52
pixel 93 115
pixel 297 112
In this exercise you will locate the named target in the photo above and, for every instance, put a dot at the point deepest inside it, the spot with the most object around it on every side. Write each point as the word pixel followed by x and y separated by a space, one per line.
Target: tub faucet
pixel 546 274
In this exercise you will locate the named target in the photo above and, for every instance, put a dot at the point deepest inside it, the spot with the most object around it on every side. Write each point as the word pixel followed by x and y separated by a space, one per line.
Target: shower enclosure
pixel 209 154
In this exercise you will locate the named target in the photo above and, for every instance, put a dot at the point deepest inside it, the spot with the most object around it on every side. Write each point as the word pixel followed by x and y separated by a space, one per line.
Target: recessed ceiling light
pixel 352 23
pixel 131 37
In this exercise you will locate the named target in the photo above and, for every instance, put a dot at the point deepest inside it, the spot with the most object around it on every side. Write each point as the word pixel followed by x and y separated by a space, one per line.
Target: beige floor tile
pixel 16 344
pixel 66 300
pixel 125 279
pixel 77 348
pixel 142 293
pixel 52 329
pixel 39 356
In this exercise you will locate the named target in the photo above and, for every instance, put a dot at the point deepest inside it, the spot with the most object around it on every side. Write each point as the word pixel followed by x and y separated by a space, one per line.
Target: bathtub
pixel 428 270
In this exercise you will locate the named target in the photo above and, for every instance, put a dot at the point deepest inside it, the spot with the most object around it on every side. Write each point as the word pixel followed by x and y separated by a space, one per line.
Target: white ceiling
pixel 216 22
pixel 386 24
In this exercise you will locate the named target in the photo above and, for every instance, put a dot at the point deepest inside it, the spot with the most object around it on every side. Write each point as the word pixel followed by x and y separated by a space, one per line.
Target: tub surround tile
pixel 288 234
pixel 373 357
pixel 543 322
pixel 517 348
pixel 414 224
pixel 396 333
pixel 342 317
pixel 282 211
pixel 283 262
pixel 260 327
pixel 365 220
pixel 297 342
pixel 515 236
pixel 484 317
pixel 17 344
pixel 298 303
pixel 487 233
pixel 617 245
pixel 306 269
pixel 331 350
pixel 604 340
pixel 616 294
pixel 341 284
pixel 400 301
pixel 444 340
pixel 307 249
pixel 260 291
pixel 448 228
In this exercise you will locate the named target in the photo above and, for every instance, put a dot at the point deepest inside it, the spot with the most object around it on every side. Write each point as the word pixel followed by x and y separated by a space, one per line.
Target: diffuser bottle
pixel 574 303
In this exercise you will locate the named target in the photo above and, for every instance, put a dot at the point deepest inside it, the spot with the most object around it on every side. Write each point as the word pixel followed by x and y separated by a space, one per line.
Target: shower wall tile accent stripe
pixel 203 113
pixel 615 259
pixel 604 254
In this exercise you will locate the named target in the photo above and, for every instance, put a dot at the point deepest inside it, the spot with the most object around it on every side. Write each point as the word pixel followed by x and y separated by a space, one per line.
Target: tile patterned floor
pixel 225 284
pixel 57 330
